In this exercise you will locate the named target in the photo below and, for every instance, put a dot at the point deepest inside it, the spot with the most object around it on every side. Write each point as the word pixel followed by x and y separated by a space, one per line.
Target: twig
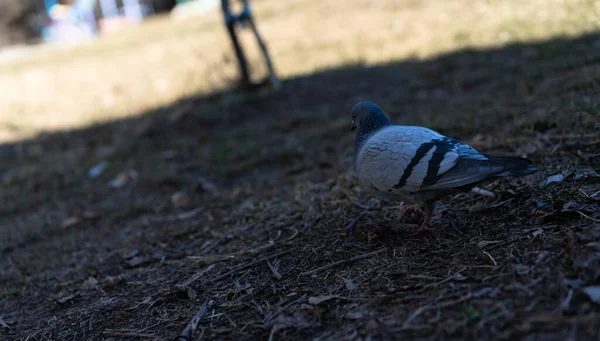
pixel 564 305
pixel 120 334
pixel 426 277
pixel 273 331
pixel 222 258
pixel 195 277
pixel 181 216
pixel 445 280
pixel 490 257
pixel 3 324
pixel 334 264
pixel 351 226
pixel 413 316
pixel 248 265
pixel 557 319
pixel 365 207
pixel 483 192
pixel 430 307
pixel 593 143
pixel 133 332
pixel 588 217
pixel 191 327
pixel 296 232
pixel 273 270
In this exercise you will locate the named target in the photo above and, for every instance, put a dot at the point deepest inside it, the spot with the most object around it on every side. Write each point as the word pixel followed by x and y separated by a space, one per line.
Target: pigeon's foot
pixel 407 211
pixel 425 227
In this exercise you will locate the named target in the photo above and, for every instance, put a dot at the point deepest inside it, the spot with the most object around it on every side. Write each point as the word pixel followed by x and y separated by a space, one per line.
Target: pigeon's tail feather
pixel 519 172
pixel 514 166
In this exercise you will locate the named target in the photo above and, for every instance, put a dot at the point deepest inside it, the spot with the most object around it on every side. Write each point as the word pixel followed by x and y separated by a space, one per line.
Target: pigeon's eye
pixel 353 116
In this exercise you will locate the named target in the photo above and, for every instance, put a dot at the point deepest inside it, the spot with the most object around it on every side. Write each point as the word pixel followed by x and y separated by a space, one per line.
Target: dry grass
pixel 231 212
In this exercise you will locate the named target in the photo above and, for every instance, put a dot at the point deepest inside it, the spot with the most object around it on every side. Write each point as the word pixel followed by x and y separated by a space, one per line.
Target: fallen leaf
pixel 485 243
pixel 593 293
pixel 131 254
pixel 354 315
pixel 69 222
pixel 123 179
pixel 114 280
pixel 159 256
pixel 350 285
pixel 206 185
pixel 537 233
pixel 98 169
pixel 90 215
pixel 570 206
pixel 551 179
pixel 90 283
pixel 137 261
pixel 483 192
pixel 66 299
pixel 234 193
pixel 191 293
pixel 189 214
pixel 319 299
pixel 180 199
pixel 459 277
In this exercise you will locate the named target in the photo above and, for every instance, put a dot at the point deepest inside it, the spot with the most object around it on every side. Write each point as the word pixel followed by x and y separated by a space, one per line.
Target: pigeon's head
pixel 368 117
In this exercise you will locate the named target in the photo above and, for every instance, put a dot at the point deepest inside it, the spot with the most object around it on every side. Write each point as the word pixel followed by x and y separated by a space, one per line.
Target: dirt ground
pixel 238 206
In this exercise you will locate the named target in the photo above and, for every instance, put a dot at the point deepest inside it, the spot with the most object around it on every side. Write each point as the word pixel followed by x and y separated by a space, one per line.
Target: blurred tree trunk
pixel 163 5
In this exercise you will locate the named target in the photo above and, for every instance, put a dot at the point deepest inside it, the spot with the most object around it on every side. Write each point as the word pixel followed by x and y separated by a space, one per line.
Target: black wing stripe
pixel 434 164
pixel 420 154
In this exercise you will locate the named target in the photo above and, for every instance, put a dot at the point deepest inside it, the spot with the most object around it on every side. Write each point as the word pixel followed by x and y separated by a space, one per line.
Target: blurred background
pixel 68 63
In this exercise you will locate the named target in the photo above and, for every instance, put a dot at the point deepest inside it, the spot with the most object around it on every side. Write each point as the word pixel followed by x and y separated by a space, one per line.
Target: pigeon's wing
pixel 465 172
pixel 468 166
pixel 400 159
pixel 407 160
pixel 469 171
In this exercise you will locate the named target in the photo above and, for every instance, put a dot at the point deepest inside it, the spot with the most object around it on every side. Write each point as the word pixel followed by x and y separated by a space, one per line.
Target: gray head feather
pixel 368 118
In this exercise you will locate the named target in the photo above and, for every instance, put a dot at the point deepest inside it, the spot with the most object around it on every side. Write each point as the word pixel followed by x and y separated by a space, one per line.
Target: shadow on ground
pixel 235 198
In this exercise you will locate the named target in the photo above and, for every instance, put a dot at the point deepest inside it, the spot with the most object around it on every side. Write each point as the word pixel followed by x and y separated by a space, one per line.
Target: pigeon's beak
pixel 353 126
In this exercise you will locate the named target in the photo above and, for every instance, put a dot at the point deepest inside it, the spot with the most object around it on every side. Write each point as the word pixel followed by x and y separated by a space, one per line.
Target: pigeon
pixel 419 165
